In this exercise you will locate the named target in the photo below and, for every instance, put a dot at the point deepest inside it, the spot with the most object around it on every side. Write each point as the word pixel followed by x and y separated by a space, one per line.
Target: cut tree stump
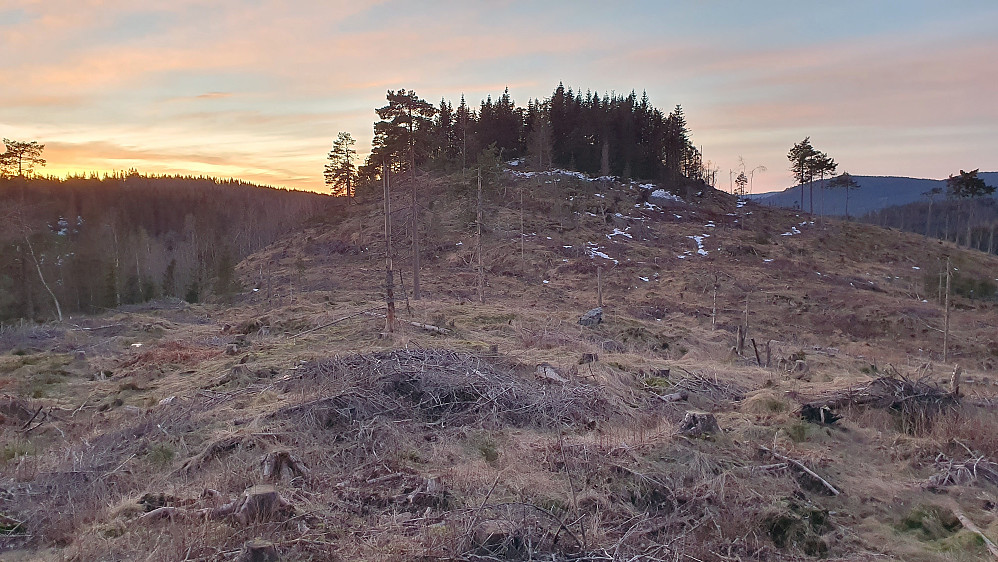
pixel 699 424
pixel 275 464
pixel 259 551
pixel 257 504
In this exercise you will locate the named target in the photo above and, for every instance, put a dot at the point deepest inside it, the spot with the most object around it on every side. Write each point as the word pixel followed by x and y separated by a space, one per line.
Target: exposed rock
pixel 546 372
pixel 592 318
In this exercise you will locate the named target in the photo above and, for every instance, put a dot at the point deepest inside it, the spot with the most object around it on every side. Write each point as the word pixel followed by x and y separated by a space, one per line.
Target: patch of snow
pixel 699 241
pixel 459 244
pixel 767 260
pixel 915 267
pixel 618 232
pixel 665 195
pixel 649 206
pixel 593 251
pixel 546 281
pixel 645 279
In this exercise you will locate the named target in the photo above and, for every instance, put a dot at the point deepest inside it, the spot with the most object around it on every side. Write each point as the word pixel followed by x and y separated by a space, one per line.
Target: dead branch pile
pixel 710 387
pixel 916 400
pixel 957 473
pixel 446 387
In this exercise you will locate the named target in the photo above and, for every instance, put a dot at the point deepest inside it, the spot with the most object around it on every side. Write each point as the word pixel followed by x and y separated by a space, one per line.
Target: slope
pixel 512 432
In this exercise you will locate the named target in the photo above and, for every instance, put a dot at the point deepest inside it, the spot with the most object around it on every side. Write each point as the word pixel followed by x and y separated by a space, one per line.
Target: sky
pixel 258 89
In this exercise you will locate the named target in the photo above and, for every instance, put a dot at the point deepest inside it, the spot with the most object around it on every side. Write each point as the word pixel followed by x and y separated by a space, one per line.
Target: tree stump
pixel 699 424
pixel 258 551
pixel 258 504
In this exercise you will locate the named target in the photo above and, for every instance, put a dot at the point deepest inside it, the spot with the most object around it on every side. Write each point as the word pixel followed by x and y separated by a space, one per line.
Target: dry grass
pixel 430 446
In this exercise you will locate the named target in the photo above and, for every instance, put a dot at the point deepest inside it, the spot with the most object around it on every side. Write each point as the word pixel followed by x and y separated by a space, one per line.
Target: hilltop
pixel 287 415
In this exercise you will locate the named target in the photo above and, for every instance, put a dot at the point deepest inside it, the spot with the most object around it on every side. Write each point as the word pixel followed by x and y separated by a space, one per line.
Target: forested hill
pixel 609 134
pixel 98 242
pixel 874 193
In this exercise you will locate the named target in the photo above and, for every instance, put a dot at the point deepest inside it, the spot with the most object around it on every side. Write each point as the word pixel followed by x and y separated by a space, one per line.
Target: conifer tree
pixel 405 128
pixel 340 171
pixel 20 158
pixel 801 158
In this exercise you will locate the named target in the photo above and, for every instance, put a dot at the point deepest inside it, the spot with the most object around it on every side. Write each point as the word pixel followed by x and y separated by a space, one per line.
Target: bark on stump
pixel 699 424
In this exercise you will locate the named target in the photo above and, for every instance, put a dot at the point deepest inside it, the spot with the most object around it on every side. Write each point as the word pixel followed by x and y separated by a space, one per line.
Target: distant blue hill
pixel 873 193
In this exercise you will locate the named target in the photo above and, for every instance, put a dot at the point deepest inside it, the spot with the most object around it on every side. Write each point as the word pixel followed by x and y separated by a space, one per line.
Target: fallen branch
pixel 420 325
pixel 337 321
pixel 674 397
pixel 969 525
pixel 801 466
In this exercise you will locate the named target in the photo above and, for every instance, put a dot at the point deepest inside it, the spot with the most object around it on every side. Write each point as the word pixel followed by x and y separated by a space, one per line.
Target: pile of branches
pixel 710 387
pixel 916 400
pixel 446 387
pixel 957 473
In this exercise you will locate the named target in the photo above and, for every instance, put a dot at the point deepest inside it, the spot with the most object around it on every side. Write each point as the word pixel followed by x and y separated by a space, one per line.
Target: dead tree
pixel 481 270
pixel 949 276
pixel 389 274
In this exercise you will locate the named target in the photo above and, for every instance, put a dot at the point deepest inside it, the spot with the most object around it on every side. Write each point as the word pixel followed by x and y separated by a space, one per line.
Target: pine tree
pixel 846 182
pixel 341 172
pixel 740 182
pixel 406 126
pixel 20 158
pixel 801 158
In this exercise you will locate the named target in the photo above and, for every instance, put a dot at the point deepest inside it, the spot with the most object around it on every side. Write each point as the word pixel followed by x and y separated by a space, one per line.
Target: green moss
pixel 658 382
pixel 160 455
pixel 798 431
pixel 930 522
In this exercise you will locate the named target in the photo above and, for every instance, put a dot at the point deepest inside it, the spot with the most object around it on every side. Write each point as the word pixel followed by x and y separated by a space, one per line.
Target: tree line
pixel 604 135
pixel 88 243
pixel 964 213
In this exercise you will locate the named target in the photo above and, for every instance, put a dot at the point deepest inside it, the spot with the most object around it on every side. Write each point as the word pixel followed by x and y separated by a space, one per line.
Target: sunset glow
pixel 258 90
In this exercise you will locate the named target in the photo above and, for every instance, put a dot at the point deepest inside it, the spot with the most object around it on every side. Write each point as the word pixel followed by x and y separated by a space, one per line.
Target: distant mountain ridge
pixel 873 193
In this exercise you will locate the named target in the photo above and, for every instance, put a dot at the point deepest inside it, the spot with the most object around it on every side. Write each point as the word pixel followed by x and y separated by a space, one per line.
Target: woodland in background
pixel 967 213
pixel 103 241
pixel 946 220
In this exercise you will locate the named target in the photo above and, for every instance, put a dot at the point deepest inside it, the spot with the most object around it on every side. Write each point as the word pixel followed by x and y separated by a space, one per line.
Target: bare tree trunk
pixel 38 267
pixel 599 286
pixel 389 275
pixel 946 314
pixel 713 308
pixel 415 229
pixel 928 219
pixel 521 224
pixel 481 270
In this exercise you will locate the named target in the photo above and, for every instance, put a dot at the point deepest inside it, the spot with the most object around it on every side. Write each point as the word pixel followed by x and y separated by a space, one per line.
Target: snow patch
pixel 665 196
